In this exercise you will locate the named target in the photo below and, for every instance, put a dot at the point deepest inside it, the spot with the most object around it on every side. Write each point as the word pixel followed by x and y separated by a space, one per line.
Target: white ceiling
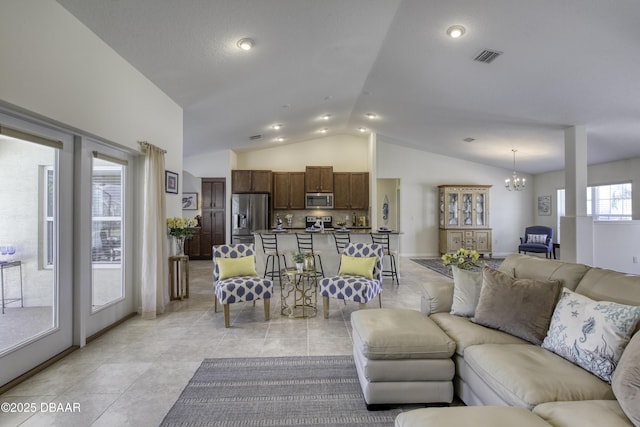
pixel 565 63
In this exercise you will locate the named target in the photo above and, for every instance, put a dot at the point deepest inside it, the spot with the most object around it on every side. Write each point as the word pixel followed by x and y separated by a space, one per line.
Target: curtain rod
pixel 146 145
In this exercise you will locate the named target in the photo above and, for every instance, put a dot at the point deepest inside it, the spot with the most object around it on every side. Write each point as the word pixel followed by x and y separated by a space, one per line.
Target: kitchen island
pixel 324 244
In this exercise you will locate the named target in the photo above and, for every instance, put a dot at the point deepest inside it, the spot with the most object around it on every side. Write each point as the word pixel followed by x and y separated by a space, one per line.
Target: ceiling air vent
pixel 469 139
pixel 255 137
pixel 487 56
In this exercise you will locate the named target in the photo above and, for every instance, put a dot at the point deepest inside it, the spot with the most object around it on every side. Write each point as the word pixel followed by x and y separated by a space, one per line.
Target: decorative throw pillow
pixel 357 266
pixel 626 380
pixel 520 307
pixel 591 334
pixel 537 238
pixel 466 291
pixel 236 267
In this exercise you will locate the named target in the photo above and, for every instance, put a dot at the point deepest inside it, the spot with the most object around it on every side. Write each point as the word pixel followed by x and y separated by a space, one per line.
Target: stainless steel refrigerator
pixel 249 212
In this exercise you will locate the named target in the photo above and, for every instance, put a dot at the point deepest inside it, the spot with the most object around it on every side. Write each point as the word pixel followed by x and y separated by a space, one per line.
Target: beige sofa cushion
pixel 394 333
pixel 466 333
pixel 526 375
pixel 520 307
pixel 607 285
pixel 626 380
pixel 530 267
pixel 585 413
pixel 465 416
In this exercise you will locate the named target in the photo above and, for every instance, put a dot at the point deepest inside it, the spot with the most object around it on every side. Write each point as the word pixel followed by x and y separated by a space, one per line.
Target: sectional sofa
pixel 500 362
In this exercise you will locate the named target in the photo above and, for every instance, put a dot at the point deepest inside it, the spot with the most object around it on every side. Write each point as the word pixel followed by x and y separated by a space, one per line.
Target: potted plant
pixel 464 259
pixel 298 258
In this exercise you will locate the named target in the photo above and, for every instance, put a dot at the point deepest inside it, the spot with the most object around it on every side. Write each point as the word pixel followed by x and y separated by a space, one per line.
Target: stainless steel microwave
pixel 319 201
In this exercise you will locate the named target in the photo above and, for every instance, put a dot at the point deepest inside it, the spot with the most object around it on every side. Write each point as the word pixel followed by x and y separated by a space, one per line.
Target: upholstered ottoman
pixel 402 356
pixel 464 416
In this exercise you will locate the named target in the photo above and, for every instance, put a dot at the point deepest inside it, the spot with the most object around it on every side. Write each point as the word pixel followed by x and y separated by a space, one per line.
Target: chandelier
pixel 515 183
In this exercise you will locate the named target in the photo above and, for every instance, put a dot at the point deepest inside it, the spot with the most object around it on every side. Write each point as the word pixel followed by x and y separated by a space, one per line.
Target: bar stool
pixel 341 240
pixel 305 245
pixel 383 239
pixel 270 249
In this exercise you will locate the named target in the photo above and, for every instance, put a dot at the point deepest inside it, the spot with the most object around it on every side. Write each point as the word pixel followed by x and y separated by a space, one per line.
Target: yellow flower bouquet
pixel 464 259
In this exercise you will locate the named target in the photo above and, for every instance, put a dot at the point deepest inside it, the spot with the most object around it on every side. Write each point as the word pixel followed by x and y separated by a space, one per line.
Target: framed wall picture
pixel 170 182
pixel 544 205
pixel 189 201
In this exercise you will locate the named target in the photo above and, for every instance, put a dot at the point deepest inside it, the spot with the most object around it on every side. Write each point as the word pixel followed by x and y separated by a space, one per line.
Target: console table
pixel 179 276
pixel 5 265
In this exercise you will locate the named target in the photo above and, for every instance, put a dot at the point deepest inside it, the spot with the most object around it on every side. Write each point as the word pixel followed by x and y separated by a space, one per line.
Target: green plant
pixel 298 257
pixel 464 259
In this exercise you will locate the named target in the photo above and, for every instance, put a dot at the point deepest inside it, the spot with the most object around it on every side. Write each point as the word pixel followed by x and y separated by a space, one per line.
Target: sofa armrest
pixel 436 297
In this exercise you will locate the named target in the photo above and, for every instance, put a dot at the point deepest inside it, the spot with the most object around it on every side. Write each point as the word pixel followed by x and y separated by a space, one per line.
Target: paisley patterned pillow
pixel 591 334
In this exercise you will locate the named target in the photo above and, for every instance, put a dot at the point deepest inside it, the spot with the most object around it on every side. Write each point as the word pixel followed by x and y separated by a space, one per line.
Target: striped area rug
pixel 275 391
pixel 435 264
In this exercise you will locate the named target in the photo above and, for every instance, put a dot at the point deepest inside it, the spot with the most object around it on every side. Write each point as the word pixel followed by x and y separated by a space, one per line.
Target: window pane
pixel 27 239
pixel 107 232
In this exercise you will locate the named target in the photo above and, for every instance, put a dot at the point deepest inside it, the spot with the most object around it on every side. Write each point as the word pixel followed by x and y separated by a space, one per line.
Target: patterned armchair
pixel 538 239
pixel 239 288
pixel 355 288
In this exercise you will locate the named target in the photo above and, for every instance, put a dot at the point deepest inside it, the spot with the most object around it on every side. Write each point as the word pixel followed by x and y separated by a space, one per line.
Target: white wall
pixel 52 65
pixel 421 172
pixel 624 237
pixel 346 153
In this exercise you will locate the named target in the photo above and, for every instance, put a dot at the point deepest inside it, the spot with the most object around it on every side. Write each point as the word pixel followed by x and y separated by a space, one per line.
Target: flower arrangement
pixel 181 228
pixel 464 259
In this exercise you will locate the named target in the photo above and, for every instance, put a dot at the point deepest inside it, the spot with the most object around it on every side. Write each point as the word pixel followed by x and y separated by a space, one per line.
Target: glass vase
pixel 178 245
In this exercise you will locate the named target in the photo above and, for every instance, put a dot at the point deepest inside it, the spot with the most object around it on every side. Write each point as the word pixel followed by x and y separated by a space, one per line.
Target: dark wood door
pixel 213 225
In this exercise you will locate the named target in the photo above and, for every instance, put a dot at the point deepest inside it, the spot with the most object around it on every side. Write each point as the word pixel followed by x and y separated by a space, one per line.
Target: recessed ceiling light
pixel 371 116
pixel 280 138
pixel 362 129
pixel 324 130
pixel 456 31
pixel 277 126
pixel 245 44
pixel 326 117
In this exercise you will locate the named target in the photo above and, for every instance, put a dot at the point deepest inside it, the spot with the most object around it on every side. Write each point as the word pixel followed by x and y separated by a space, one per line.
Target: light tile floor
pixel 132 375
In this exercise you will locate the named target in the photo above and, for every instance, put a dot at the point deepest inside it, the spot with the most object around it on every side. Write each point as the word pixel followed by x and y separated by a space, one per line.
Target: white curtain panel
pixel 154 292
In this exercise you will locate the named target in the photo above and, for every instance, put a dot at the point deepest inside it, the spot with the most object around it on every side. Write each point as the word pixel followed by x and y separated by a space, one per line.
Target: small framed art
pixel 170 182
pixel 189 201
pixel 544 205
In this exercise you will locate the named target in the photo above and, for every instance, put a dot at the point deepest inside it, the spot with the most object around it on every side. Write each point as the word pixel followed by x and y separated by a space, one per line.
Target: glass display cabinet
pixel 464 218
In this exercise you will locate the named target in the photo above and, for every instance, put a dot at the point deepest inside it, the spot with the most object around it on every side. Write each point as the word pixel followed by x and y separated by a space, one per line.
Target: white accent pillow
pixel 591 334
pixel 537 238
pixel 466 291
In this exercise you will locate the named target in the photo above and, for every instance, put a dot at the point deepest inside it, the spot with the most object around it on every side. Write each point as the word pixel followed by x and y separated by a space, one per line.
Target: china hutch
pixel 464 218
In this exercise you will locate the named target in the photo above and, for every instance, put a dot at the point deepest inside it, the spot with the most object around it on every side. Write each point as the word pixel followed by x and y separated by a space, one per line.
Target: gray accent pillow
pixel 626 380
pixel 466 291
pixel 520 307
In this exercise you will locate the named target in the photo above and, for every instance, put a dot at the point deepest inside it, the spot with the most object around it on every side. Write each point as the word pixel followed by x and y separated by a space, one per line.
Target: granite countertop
pixel 355 230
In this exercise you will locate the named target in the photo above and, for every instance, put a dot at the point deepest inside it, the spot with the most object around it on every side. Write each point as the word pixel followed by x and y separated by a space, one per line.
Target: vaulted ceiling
pixel 563 63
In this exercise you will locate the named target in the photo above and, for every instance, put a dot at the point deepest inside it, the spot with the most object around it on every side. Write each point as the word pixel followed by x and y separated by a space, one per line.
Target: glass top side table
pixel 298 293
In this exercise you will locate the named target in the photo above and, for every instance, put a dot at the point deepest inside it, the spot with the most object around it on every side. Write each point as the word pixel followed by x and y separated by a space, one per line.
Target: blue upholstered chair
pixel 538 239
pixel 238 288
pixel 354 287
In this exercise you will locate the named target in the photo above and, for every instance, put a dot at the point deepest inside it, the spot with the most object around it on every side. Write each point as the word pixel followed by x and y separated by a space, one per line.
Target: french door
pixel 36 232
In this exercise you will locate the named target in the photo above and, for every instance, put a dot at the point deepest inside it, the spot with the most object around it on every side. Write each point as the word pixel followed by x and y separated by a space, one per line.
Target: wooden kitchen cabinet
pixel 319 179
pixel 351 190
pixel 250 181
pixel 464 218
pixel 288 190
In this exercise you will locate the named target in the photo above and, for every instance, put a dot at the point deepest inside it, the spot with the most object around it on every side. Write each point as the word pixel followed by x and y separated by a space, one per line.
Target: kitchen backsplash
pixel 298 216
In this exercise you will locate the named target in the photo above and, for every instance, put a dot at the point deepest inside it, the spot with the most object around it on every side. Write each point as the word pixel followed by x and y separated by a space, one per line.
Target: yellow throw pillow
pixel 236 267
pixel 357 266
